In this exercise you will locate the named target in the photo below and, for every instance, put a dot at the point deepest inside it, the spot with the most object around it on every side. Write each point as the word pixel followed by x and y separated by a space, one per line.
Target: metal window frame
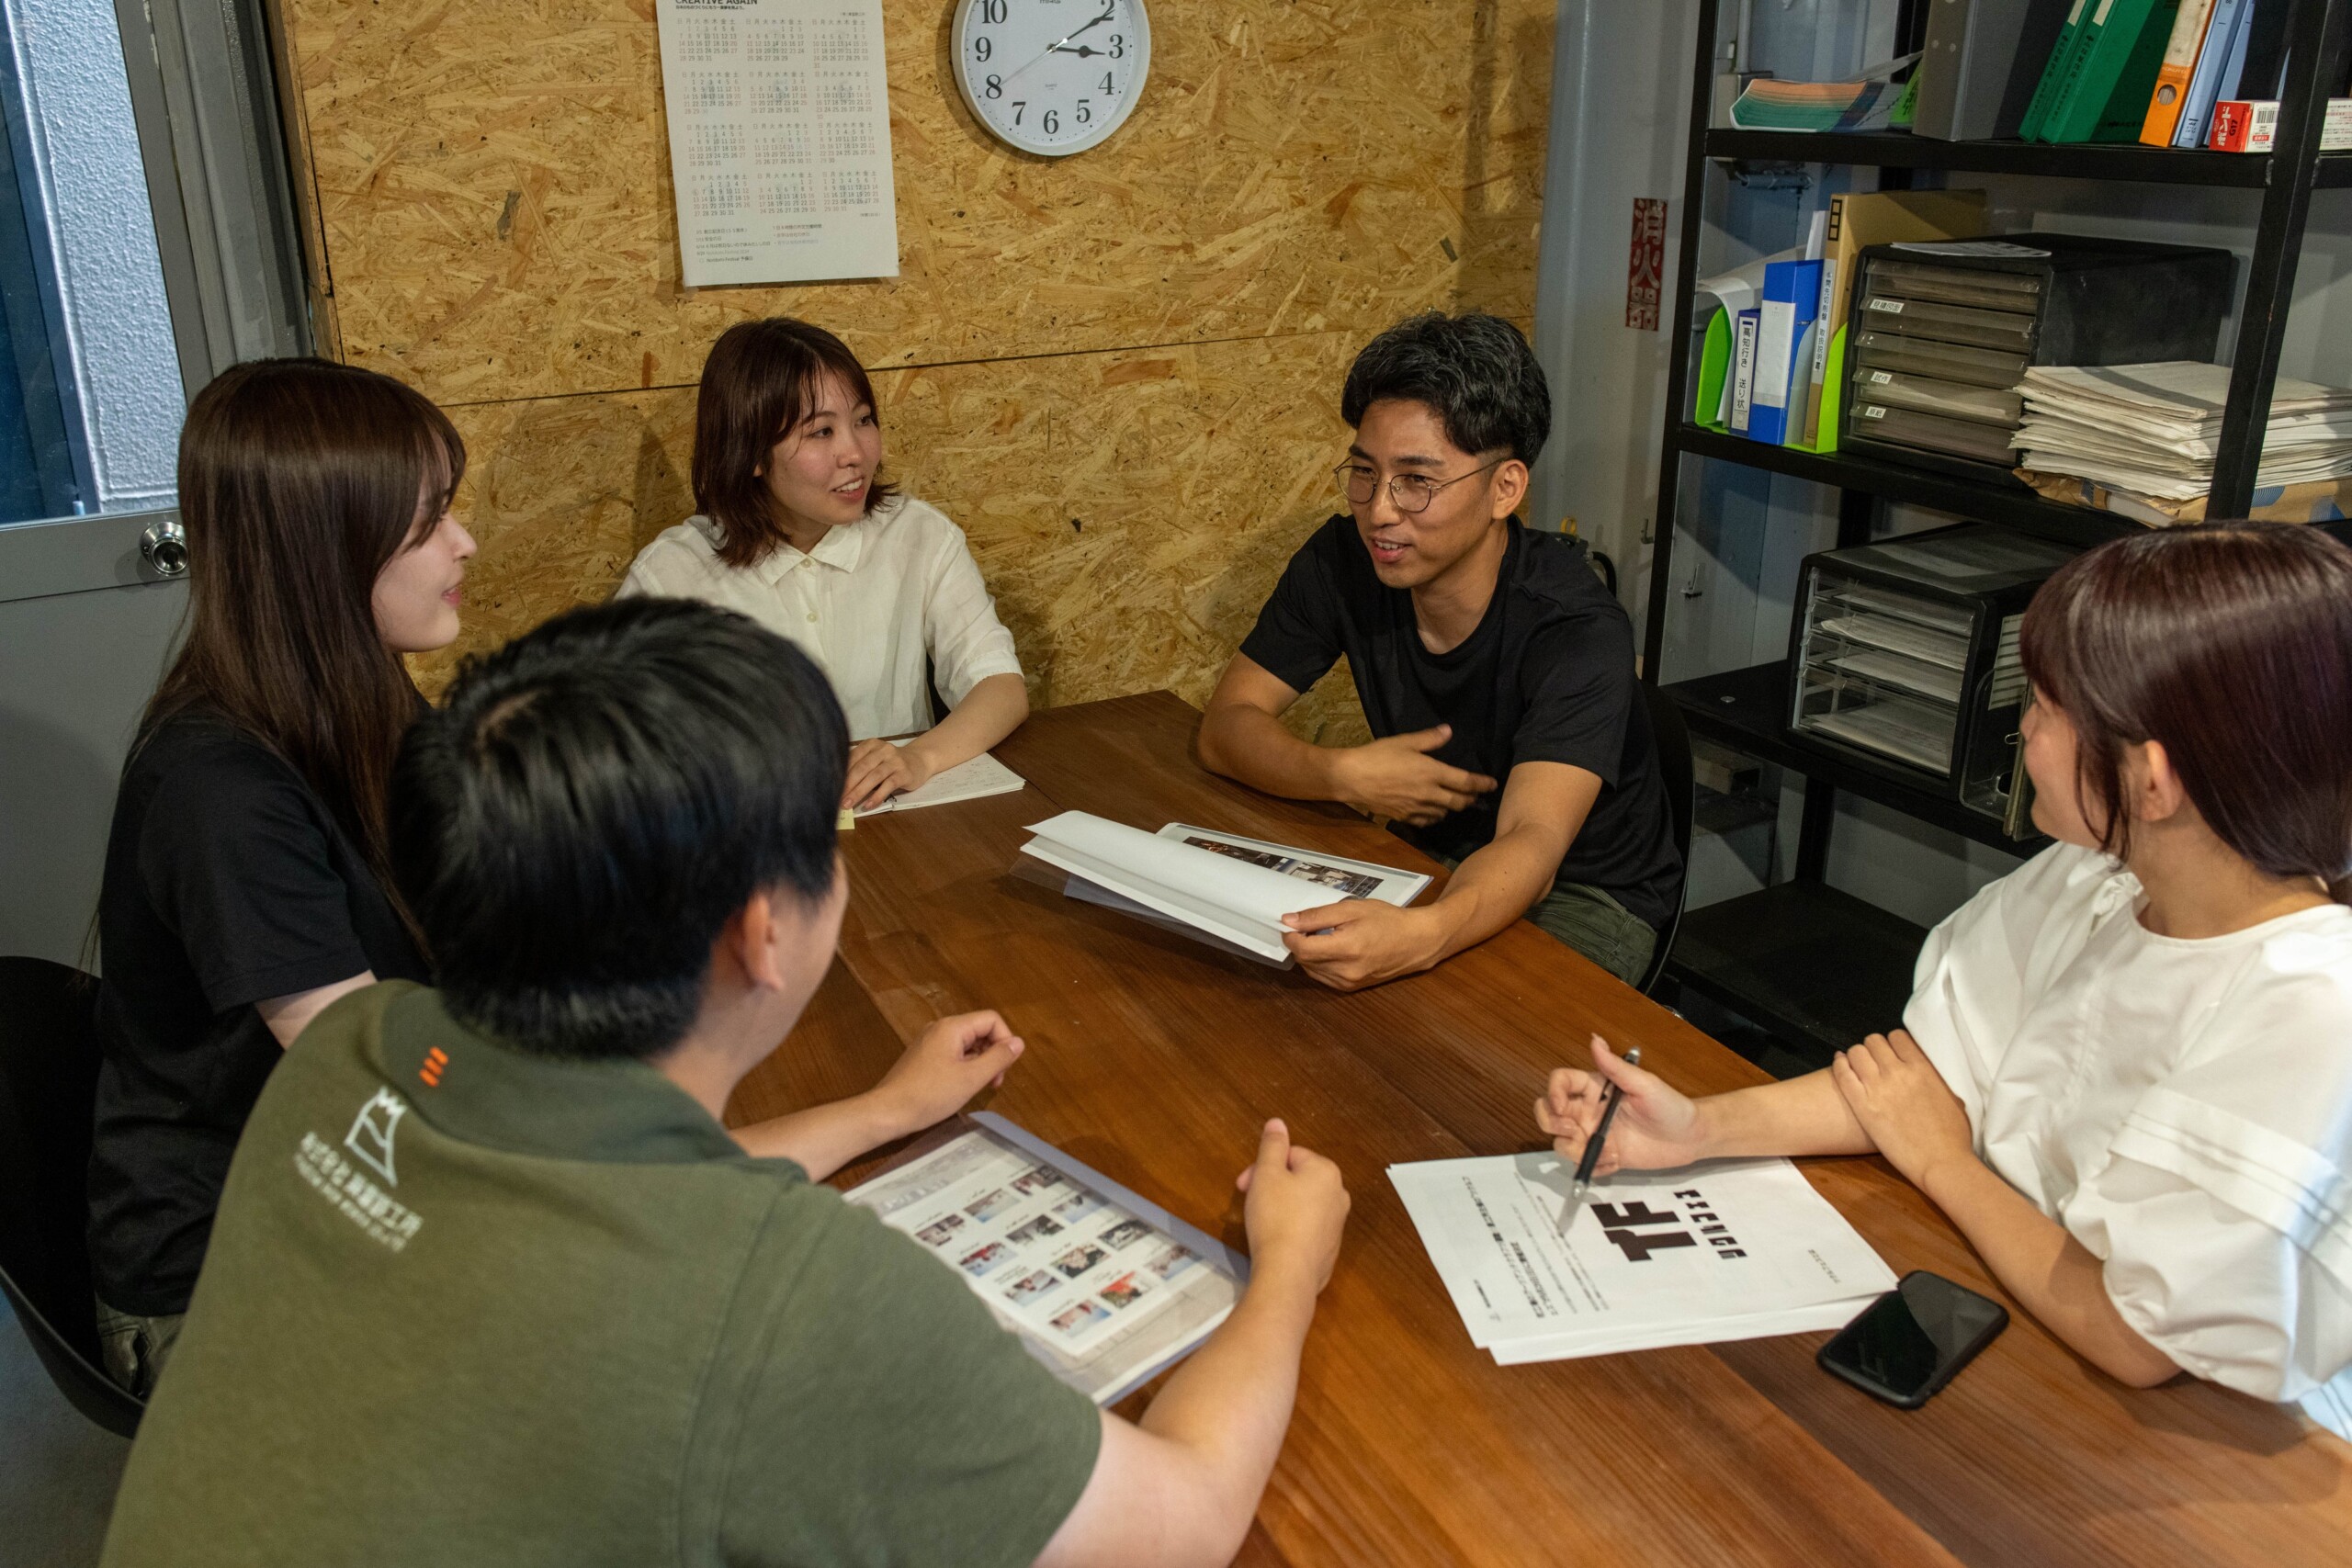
pixel 204 95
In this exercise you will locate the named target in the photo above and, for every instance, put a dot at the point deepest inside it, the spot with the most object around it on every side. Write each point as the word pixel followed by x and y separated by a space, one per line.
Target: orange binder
pixel 2172 79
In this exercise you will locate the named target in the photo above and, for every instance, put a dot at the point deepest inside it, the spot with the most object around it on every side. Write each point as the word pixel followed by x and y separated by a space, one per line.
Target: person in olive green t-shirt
pixel 492 1284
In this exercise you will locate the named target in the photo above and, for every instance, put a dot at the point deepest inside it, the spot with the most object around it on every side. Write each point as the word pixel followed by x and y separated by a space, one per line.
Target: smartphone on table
pixel 1911 1341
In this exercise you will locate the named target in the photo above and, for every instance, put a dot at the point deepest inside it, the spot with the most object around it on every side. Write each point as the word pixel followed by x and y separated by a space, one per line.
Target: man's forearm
pixel 1492 888
pixel 1229 1405
pixel 2054 1277
pixel 824 1138
pixel 1251 746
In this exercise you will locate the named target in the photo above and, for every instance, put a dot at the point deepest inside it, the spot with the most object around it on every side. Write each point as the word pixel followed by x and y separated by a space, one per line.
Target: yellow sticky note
pixel 847 821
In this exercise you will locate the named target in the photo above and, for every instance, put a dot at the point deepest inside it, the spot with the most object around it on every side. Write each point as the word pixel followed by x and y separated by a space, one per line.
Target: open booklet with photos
pixel 1103 1287
pixel 1218 887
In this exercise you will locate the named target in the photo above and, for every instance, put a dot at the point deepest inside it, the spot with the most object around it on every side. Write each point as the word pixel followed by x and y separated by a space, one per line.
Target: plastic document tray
pixel 2020 292
pixel 1903 656
pixel 1924 394
pixel 1917 733
pixel 2004 329
pixel 1944 361
pixel 1933 433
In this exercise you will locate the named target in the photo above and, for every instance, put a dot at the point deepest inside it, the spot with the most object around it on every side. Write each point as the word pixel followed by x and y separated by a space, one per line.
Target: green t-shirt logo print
pixel 370 1137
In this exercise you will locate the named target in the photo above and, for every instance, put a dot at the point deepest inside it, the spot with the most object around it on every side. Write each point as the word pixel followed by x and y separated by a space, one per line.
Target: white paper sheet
pixel 1236 891
pixel 974 780
pixel 1730 1249
pixel 1102 1286
pixel 779 140
pixel 1242 904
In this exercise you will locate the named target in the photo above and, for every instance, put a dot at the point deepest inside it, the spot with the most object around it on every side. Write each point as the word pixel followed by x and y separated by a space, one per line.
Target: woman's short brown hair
pixel 2231 646
pixel 760 381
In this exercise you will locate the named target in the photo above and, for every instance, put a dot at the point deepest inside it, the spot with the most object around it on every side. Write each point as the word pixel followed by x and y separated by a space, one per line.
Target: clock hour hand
pixel 1082 50
pixel 1109 10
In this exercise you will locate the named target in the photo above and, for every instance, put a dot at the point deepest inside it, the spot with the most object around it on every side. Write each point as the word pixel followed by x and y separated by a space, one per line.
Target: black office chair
pixel 48 1075
pixel 1681 799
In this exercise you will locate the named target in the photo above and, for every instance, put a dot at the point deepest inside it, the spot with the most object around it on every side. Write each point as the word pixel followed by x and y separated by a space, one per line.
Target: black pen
pixel 1592 1148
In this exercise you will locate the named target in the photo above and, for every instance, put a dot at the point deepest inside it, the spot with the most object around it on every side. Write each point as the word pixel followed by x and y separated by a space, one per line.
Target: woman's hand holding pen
pixel 1657 1127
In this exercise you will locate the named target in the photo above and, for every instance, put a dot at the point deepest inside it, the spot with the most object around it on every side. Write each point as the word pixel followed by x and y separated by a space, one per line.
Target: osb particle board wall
pixel 1120 371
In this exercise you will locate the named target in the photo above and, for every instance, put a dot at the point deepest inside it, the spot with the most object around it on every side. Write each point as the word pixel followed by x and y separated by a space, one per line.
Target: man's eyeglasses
pixel 1408 492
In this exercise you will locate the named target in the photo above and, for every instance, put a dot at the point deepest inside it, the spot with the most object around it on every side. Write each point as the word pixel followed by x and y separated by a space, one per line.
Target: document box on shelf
pixel 1943 332
pixel 1904 657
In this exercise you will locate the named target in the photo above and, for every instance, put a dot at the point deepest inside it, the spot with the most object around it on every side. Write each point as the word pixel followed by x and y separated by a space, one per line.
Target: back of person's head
pixel 595 802
pixel 299 480
pixel 2229 645
pixel 762 379
pixel 1474 372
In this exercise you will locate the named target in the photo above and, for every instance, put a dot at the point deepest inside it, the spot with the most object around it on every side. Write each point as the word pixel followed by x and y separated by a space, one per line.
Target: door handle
pixel 164 545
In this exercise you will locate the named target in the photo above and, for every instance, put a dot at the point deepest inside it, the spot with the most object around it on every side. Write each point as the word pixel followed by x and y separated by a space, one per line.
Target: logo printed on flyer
pixel 371 1132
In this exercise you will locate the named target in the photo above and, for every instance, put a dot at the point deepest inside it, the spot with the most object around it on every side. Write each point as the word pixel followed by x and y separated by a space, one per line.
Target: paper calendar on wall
pixel 779 140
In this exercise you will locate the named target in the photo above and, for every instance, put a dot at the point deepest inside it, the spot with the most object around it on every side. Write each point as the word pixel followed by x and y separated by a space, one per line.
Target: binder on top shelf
pixel 1859 219
pixel 2256 36
pixel 2188 28
pixel 2053 73
pixel 1984 63
pixel 2224 39
pixel 1785 320
pixel 2106 96
pixel 2262 68
pixel 1743 381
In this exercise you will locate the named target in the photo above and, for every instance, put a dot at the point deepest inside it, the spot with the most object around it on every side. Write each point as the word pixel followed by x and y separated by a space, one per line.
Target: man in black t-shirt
pixel 1495 673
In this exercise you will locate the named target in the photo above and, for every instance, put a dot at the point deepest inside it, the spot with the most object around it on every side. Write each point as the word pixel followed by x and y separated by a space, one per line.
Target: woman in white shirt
pixel 796 529
pixel 2126 1073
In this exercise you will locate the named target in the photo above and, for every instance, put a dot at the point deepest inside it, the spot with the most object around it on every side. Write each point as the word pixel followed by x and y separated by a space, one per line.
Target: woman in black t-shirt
pixel 244 887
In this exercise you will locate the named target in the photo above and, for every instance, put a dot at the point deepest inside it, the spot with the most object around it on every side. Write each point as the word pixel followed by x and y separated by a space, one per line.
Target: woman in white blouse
pixel 2126 1073
pixel 796 529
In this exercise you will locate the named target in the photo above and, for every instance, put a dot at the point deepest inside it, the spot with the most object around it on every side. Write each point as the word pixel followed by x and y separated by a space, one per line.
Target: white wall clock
pixel 1051 77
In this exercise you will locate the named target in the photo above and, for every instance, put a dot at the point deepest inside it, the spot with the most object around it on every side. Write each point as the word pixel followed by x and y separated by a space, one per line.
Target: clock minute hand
pixel 1108 12
pixel 1109 9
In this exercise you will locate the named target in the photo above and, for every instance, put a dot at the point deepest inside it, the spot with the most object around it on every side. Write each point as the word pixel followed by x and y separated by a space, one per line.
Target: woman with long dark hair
pixel 246 885
pixel 2126 1071
pixel 796 529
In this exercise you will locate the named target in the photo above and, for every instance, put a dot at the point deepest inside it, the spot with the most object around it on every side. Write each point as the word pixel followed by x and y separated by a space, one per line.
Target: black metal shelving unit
pixel 1816 966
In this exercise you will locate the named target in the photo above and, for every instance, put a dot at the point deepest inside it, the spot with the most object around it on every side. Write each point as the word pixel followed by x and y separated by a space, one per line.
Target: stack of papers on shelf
pixel 1727 1249
pixel 983 775
pixel 1867 103
pixel 1227 890
pixel 1103 1287
pixel 2153 431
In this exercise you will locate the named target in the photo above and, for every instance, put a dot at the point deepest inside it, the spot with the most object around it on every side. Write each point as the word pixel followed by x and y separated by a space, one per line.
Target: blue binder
pixel 1787 311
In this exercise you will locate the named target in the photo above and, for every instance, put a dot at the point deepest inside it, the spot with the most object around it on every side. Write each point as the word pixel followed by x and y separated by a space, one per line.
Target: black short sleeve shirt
pixel 1546 677
pixel 227 882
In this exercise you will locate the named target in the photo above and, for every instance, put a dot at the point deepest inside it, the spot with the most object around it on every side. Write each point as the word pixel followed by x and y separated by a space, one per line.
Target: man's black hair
pixel 1474 371
pixel 594 803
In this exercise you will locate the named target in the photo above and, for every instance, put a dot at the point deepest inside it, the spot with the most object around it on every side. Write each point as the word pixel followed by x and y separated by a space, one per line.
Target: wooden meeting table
pixel 1156 1059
